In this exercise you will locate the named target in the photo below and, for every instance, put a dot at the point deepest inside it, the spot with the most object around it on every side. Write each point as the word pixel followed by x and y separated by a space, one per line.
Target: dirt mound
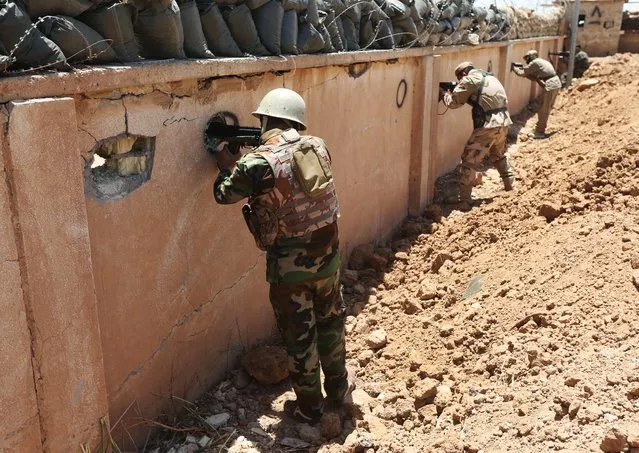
pixel 496 329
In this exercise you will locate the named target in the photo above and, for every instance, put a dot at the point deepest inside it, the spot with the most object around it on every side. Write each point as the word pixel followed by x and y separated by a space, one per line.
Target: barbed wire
pixel 431 22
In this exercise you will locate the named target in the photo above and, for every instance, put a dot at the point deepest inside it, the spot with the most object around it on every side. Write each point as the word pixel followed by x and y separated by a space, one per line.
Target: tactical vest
pixel 480 115
pixel 303 198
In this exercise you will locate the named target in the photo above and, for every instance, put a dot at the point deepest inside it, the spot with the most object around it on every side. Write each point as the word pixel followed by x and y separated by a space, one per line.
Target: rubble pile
pixel 507 326
pixel 45 34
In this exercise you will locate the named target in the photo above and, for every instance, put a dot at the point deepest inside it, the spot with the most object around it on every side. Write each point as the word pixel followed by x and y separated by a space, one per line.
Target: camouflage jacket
pixel 289 260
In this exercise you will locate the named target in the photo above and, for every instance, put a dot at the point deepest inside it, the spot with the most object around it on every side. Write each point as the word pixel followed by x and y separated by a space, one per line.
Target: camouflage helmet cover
pixel 531 55
pixel 461 67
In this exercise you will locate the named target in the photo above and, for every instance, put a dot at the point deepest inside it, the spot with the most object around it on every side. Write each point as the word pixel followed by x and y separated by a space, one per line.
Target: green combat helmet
pixel 284 104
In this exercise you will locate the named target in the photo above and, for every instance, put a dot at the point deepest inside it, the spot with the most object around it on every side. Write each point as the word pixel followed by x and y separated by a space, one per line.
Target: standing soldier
pixel 542 72
pixel 490 115
pixel 292 212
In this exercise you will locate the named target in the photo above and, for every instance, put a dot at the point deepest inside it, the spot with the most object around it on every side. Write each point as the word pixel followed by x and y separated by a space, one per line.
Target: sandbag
pixel 455 38
pixel 309 39
pixel 450 11
pixel 384 30
pixel 405 32
pixel 480 13
pixel 466 22
pixel 289 33
pixel 71 8
pixel 420 9
pixel 160 34
pixel 440 27
pixel 154 5
pixel 240 22
pixel 268 21
pixel 367 37
pixel 340 30
pixel 333 31
pixel 35 50
pixel 5 61
pixel 295 5
pixel 465 7
pixel 79 42
pixel 194 40
pixel 312 13
pixel 455 22
pixel 326 36
pixel 254 4
pixel 395 9
pixel 433 39
pixel 217 33
pixel 353 11
pixel 351 35
pixel 115 22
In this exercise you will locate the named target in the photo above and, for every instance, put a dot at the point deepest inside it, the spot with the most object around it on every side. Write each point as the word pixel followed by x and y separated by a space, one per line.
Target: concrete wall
pixel 158 292
pixel 629 41
pixel 600 34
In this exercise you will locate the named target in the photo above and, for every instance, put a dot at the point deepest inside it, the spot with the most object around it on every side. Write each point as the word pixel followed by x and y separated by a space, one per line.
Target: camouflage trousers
pixel 484 142
pixel 310 318
pixel 547 103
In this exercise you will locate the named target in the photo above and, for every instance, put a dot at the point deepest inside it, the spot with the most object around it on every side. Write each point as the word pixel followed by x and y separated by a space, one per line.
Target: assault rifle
pixel 444 87
pixel 514 65
pixel 219 131
pixel 447 86
pixel 561 55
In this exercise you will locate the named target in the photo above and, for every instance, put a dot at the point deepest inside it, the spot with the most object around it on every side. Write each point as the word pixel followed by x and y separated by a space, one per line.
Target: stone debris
pixel 266 364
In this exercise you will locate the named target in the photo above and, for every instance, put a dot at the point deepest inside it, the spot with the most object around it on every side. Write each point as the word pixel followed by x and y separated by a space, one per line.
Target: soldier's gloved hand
pixel 225 159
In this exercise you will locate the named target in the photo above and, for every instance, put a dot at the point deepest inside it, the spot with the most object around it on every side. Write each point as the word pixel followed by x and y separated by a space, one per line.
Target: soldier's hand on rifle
pixel 225 159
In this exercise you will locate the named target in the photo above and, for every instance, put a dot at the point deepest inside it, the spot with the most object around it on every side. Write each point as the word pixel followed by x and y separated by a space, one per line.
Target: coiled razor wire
pixel 27 33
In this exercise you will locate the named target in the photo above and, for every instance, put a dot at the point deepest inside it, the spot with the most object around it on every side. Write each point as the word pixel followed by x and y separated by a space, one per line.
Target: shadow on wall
pixel 117 166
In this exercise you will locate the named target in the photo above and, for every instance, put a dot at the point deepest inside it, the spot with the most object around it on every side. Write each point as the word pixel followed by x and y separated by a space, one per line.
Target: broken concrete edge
pixel 83 393
pixel 102 78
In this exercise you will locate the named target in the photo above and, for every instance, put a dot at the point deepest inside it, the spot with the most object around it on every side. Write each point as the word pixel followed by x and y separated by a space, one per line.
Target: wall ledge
pixel 103 78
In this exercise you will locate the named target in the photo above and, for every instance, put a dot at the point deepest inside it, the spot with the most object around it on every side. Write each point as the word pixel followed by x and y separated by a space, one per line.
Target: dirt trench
pixel 507 326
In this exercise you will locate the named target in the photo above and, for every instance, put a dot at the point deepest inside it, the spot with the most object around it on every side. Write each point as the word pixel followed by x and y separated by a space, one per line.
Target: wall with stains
pixel 121 295
pixel 599 27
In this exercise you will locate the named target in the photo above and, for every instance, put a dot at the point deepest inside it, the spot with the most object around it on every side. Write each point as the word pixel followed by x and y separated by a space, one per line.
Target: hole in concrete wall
pixel 581 20
pixel 118 165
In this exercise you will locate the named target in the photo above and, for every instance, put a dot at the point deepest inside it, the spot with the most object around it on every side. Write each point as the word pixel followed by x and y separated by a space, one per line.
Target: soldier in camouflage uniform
pixel 490 115
pixel 542 72
pixel 292 212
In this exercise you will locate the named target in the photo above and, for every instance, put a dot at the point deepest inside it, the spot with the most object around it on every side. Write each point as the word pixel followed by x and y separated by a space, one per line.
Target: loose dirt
pixel 507 326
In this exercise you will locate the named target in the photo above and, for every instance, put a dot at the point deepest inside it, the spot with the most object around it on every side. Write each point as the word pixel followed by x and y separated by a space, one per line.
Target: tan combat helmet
pixel 284 104
pixel 531 55
pixel 461 67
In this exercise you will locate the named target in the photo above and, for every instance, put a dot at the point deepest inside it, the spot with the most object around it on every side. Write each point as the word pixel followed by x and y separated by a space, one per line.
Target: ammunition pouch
pixel 261 222
pixel 311 170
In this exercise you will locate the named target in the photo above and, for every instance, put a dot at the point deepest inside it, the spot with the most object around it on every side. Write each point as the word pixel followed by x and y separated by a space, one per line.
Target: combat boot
pixel 506 172
pixel 465 193
pixel 509 183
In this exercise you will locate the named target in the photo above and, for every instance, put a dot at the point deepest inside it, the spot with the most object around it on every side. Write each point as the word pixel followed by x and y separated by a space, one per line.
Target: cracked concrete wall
pixel 180 284
pixel 19 423
pixel 46 184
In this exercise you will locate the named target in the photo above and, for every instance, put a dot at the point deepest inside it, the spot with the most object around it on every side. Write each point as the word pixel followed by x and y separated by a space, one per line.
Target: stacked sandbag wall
pixel 53 34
